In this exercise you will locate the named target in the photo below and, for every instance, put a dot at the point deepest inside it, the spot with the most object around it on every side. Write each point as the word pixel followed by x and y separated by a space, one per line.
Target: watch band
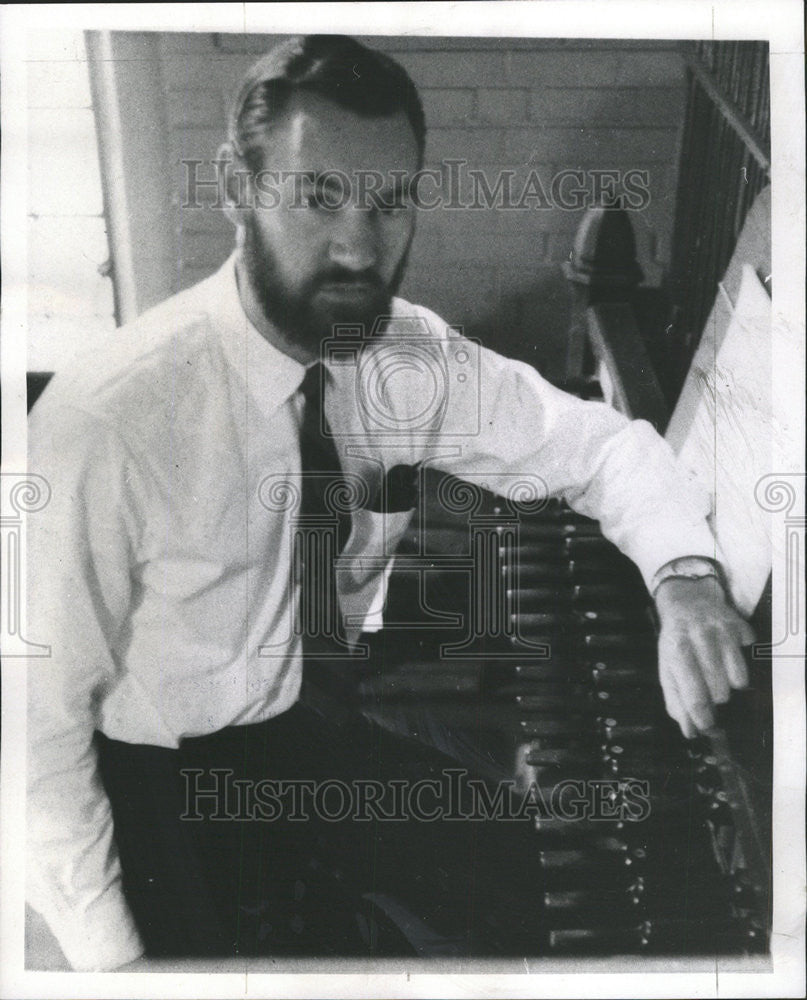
pixel 686 568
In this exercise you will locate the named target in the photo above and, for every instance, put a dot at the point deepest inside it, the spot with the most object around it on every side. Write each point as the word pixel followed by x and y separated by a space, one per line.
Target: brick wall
pixel 501 104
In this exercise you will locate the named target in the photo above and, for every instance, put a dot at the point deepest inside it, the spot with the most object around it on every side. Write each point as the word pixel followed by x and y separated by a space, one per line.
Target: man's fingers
pixel 675 707
pixel 707 648
pixel 746 633
pixel 735 665
pixel 738 634
pixel 679 660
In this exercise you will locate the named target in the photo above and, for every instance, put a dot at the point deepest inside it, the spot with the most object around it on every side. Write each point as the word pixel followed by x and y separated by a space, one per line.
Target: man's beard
pixel 299 314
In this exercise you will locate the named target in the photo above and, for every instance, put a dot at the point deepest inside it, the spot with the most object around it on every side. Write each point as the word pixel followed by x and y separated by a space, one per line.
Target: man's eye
pixel 316 199
pixel 394 205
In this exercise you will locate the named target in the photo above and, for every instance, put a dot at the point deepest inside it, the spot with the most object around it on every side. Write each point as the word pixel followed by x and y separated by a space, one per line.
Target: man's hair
pixel 335 67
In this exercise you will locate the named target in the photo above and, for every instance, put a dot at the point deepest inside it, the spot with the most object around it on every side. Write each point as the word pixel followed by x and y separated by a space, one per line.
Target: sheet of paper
pixel 728 445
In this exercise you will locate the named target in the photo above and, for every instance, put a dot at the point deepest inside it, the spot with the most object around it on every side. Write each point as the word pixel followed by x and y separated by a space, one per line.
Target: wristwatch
pixel 686 568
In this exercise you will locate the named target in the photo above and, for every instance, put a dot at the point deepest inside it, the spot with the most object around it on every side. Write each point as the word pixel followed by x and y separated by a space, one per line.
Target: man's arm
pixel 623 474
pixel 79 555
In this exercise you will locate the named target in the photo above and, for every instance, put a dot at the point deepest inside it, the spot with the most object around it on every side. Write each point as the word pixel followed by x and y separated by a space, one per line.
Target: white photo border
pixel 778 21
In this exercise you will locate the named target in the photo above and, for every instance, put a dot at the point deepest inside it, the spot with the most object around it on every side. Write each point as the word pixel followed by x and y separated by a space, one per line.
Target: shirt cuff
pixel 101 938
pixel 653 550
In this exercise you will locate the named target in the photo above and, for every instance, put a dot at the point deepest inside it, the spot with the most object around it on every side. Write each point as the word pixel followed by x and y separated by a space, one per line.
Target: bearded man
pixel 165 573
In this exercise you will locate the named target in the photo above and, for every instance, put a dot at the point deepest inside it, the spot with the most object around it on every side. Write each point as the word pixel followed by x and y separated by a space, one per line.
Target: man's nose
pixel 354 239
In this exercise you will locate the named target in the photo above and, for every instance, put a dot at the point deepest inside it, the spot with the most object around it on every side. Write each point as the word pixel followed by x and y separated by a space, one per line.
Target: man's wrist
pixel 686 568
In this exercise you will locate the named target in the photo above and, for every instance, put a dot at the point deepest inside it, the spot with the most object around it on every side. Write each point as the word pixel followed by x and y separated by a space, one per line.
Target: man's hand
pixel 700 655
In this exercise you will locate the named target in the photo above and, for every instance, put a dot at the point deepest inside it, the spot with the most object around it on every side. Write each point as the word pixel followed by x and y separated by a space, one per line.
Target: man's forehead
pixel 314 134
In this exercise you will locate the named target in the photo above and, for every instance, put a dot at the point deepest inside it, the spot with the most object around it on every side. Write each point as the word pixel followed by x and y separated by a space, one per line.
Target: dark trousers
pixel 212 866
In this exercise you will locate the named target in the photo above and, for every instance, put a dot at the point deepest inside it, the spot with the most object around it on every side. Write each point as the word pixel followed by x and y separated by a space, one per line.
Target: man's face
pixel 317 249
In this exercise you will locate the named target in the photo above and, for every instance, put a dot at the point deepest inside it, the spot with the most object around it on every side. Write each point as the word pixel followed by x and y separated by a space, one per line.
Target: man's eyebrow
pixel 401 186
pixel 337 180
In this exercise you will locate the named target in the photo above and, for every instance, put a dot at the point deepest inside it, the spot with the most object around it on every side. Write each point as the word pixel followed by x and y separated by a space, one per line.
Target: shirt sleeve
pixel 80 551
pixel 510 426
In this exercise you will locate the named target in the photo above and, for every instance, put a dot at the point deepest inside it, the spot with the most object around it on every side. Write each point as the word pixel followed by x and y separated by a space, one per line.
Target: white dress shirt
pixel 160 572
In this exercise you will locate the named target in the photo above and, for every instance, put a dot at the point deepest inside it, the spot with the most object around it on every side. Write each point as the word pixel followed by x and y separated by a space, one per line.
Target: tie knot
pixel 313 382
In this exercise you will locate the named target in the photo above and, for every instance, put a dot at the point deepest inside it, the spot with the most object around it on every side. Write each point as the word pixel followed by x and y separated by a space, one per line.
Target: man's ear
pixel 235 181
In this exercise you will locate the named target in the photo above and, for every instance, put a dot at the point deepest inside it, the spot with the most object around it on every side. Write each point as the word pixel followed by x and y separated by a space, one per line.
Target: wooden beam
pixel 627 374
pixel 730 113
pixel 129 102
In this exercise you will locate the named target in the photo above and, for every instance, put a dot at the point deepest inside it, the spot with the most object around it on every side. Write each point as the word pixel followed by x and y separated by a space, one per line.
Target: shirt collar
pixel 270 375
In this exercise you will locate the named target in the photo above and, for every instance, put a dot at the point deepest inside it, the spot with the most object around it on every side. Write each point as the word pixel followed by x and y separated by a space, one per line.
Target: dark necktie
pixel 324 526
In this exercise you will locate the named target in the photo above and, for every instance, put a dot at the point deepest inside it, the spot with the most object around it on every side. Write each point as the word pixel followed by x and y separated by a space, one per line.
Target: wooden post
pixel 602 268
pixel 604 274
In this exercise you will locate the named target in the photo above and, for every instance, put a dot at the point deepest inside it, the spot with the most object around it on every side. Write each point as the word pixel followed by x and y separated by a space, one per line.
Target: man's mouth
pixel 348 289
